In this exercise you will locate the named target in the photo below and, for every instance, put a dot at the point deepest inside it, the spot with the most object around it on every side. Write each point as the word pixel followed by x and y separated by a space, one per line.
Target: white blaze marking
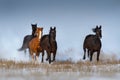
pixel 39 34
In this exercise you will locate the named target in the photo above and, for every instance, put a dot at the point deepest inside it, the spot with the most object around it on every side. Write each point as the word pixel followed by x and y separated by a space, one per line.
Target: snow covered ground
pixel 26 74
pixel 59 71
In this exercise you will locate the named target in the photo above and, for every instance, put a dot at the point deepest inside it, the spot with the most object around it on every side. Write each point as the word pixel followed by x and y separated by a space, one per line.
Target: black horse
pixel 28 38
pixel 92 43
pixel 48 43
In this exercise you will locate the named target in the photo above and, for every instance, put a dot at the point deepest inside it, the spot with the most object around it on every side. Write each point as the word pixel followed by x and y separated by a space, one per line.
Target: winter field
pixel 108 69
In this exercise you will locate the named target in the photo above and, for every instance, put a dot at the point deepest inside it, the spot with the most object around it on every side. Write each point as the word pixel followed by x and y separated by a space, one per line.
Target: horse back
pixel 92 42
pixel 27 39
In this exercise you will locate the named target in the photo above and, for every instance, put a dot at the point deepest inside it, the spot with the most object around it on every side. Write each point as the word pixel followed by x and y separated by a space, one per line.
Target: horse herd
pixel 37 43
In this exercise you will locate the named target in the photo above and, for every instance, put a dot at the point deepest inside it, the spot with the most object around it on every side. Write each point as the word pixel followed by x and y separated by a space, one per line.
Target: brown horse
pixel 49 44
pixel 92 43
pixel 34 47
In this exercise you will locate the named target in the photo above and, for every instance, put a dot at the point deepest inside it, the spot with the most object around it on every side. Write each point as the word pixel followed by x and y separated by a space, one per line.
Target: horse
pixel 48 43
pixel 34 47
pixel 28 38
pixel 92 43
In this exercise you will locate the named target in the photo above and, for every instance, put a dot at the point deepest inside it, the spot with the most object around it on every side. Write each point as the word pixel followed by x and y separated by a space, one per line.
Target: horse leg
pixel 32 57
pixel 91 54
pixel 49 56
pixel 98 53
pixel 54 55
pixel 31 54
pixel 84 54
pixel 88 53
pixel 42 55
pixel 37 58
pixel 25 51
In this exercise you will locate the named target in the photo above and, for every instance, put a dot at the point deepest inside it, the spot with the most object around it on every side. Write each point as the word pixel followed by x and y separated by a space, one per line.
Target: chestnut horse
pixel 28 38
pixel 48 43
pixel 34 47
pixel 92 43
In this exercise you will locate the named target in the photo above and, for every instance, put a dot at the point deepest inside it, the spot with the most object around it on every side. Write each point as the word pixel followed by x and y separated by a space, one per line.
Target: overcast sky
pixel 73 19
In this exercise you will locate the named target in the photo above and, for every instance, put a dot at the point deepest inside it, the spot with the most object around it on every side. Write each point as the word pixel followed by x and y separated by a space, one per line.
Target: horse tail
pixel 24 45
pixel 21 49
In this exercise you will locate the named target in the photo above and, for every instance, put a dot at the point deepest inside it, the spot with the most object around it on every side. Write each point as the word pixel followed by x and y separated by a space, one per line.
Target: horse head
pixel 38 32
pixel 98 31
pixel 52 33
pixel 34 27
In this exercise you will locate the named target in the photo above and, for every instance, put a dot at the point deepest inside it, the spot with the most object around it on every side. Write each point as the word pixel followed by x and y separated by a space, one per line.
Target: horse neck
pixel 52 39
pixel 33 32
pixel 97 35
pixel 39 35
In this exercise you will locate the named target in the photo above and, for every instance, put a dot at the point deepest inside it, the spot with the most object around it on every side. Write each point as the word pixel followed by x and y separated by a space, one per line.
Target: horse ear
pixel 96 26
pixel 36 24
pixel 50 28
pixel 32 26
pixel 42 28
pixel 54 28
pixel 100 27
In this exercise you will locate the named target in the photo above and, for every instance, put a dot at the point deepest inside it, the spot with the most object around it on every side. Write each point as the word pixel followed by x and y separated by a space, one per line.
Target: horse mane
pixel 44 36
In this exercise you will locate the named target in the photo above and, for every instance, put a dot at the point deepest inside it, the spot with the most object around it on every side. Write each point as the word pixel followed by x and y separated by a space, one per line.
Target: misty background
pixel 74 19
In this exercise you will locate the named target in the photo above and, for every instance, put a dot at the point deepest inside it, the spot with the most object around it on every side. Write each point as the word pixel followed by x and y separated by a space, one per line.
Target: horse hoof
pixel 97 60
pixel 83 58
pixel 50 62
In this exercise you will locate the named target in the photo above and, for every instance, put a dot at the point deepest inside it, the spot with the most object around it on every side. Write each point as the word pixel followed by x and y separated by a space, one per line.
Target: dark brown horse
pixel 34 47
pixel 48 43
pixel 92 43
pixel 28 38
